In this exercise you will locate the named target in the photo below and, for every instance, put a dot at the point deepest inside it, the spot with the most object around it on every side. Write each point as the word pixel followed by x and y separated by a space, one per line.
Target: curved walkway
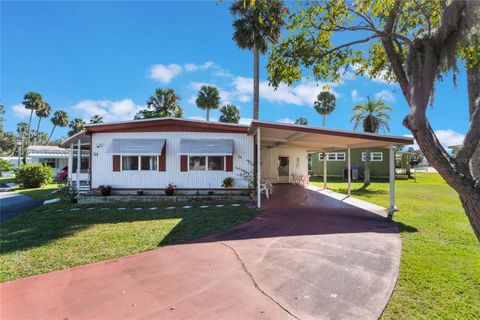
pixel 310 255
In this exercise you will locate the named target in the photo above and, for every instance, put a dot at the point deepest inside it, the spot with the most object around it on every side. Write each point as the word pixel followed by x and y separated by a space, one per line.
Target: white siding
pixel 102 162
pixel 269 162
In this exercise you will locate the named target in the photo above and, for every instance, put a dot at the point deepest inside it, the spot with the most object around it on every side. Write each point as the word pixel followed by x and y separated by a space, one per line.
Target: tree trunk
pixel 473 83
pixel 324 121
pixel 366 182
pixel 51 133
pixel 208 114
pixel 256 83
pixel 29 125
pixel 38 128
pixel 418 84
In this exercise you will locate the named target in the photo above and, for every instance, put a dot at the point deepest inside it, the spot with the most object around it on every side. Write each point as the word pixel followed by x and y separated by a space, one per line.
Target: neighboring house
pixel 455 149
pixel 53 156
pixel 337 163
pixel 197 155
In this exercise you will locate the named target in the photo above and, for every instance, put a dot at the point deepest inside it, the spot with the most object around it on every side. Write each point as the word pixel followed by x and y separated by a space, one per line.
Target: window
pixel 374 156
pixel 203 163
pixel 148 163
pixel 335 156
pixel 129 163
pixel 84 164
pixel 143 163
pixel 216 163
pixel 51 162
pixel 197 163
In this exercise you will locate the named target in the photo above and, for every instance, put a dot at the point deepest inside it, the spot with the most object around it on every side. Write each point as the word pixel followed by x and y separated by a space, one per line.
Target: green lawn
pixel 44 240
pixel 43 193
pixel 440 264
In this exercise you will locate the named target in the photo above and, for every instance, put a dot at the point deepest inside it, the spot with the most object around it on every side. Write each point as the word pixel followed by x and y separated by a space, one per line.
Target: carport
pixel 274 139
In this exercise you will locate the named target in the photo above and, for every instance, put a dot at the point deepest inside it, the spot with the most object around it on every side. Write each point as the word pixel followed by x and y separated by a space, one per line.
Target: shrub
pixel 5 166
pixel 106 191
pixel 33 175
pixel 68 191
pixel 227 182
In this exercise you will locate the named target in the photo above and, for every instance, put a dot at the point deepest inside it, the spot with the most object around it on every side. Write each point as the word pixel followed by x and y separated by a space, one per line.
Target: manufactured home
pixel 337 163
pixel 198 155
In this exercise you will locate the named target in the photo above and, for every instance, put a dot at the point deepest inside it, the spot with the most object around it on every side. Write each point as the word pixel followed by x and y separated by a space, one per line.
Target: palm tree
pixel 60 118
pixel 44 112
pixel 208 98
pixel 96 118
pixel 22 129
pixel 372 116
pixel 325 104
pixel 301 121
pixel 230 114
pixel 257 23
pixel 76 125
pixel 34 102
pixel 164 103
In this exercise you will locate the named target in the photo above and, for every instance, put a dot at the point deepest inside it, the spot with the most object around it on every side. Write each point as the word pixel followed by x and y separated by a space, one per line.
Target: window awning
pixel 206 147
pixel 137 146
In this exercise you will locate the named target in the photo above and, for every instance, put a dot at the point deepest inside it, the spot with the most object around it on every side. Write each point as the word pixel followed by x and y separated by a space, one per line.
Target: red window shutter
pixel 183 163
pixel 116 163
pixel 229 163
pixel 162 159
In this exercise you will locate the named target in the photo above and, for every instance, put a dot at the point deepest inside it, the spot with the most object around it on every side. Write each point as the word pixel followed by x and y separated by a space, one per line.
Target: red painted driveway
pixel 307 257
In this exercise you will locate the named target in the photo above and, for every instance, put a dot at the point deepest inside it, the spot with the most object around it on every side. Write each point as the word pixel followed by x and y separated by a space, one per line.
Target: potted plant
pixel 169 189
pixel 140 192
pixel 105 190
pixel 227 182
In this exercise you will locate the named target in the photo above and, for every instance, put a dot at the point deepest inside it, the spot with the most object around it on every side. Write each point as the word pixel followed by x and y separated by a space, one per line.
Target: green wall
pixel 378 169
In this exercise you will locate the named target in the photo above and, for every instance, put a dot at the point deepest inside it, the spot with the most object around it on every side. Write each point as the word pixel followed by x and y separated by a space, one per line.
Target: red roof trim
pixel 309 129
pixel 148 125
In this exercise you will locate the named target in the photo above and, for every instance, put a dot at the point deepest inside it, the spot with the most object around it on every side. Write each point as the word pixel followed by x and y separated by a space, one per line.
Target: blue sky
pixel 107 57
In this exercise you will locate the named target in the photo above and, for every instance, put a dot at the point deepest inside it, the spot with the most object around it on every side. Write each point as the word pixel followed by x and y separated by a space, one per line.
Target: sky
pixel 108 57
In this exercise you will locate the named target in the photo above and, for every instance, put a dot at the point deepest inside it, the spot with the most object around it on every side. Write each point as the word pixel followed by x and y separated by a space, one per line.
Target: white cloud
pixel 446 137
pixel 245 120
pixel 449 137
pixel 110 110
pixel 192 99
pixel 304 93
pixel 385 95
pixel 164 73
pixel 222 73
pixel 286 120
pixel 192 67
pixel 20 111
pixel 201 118
pixel 355 95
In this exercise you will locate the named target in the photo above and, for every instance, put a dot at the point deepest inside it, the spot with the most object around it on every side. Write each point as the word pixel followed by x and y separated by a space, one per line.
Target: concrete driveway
pixel 310 255
pixel 13 204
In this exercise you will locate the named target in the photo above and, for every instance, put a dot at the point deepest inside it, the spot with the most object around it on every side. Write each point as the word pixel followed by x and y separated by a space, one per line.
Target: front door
pixel 283 170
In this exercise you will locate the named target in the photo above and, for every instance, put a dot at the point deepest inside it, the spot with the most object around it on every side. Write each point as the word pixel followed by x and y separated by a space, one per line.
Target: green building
pixel 337 163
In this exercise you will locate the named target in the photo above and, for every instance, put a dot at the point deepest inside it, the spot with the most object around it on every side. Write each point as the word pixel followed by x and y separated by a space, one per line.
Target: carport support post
pixel 391 164
pixel 259 199
pixel 349 174
pixel 79 154
pixel 324 170
pixel 70 162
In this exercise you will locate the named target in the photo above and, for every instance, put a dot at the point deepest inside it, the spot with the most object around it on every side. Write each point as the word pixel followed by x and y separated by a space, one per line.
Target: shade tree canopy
pixel 412 43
